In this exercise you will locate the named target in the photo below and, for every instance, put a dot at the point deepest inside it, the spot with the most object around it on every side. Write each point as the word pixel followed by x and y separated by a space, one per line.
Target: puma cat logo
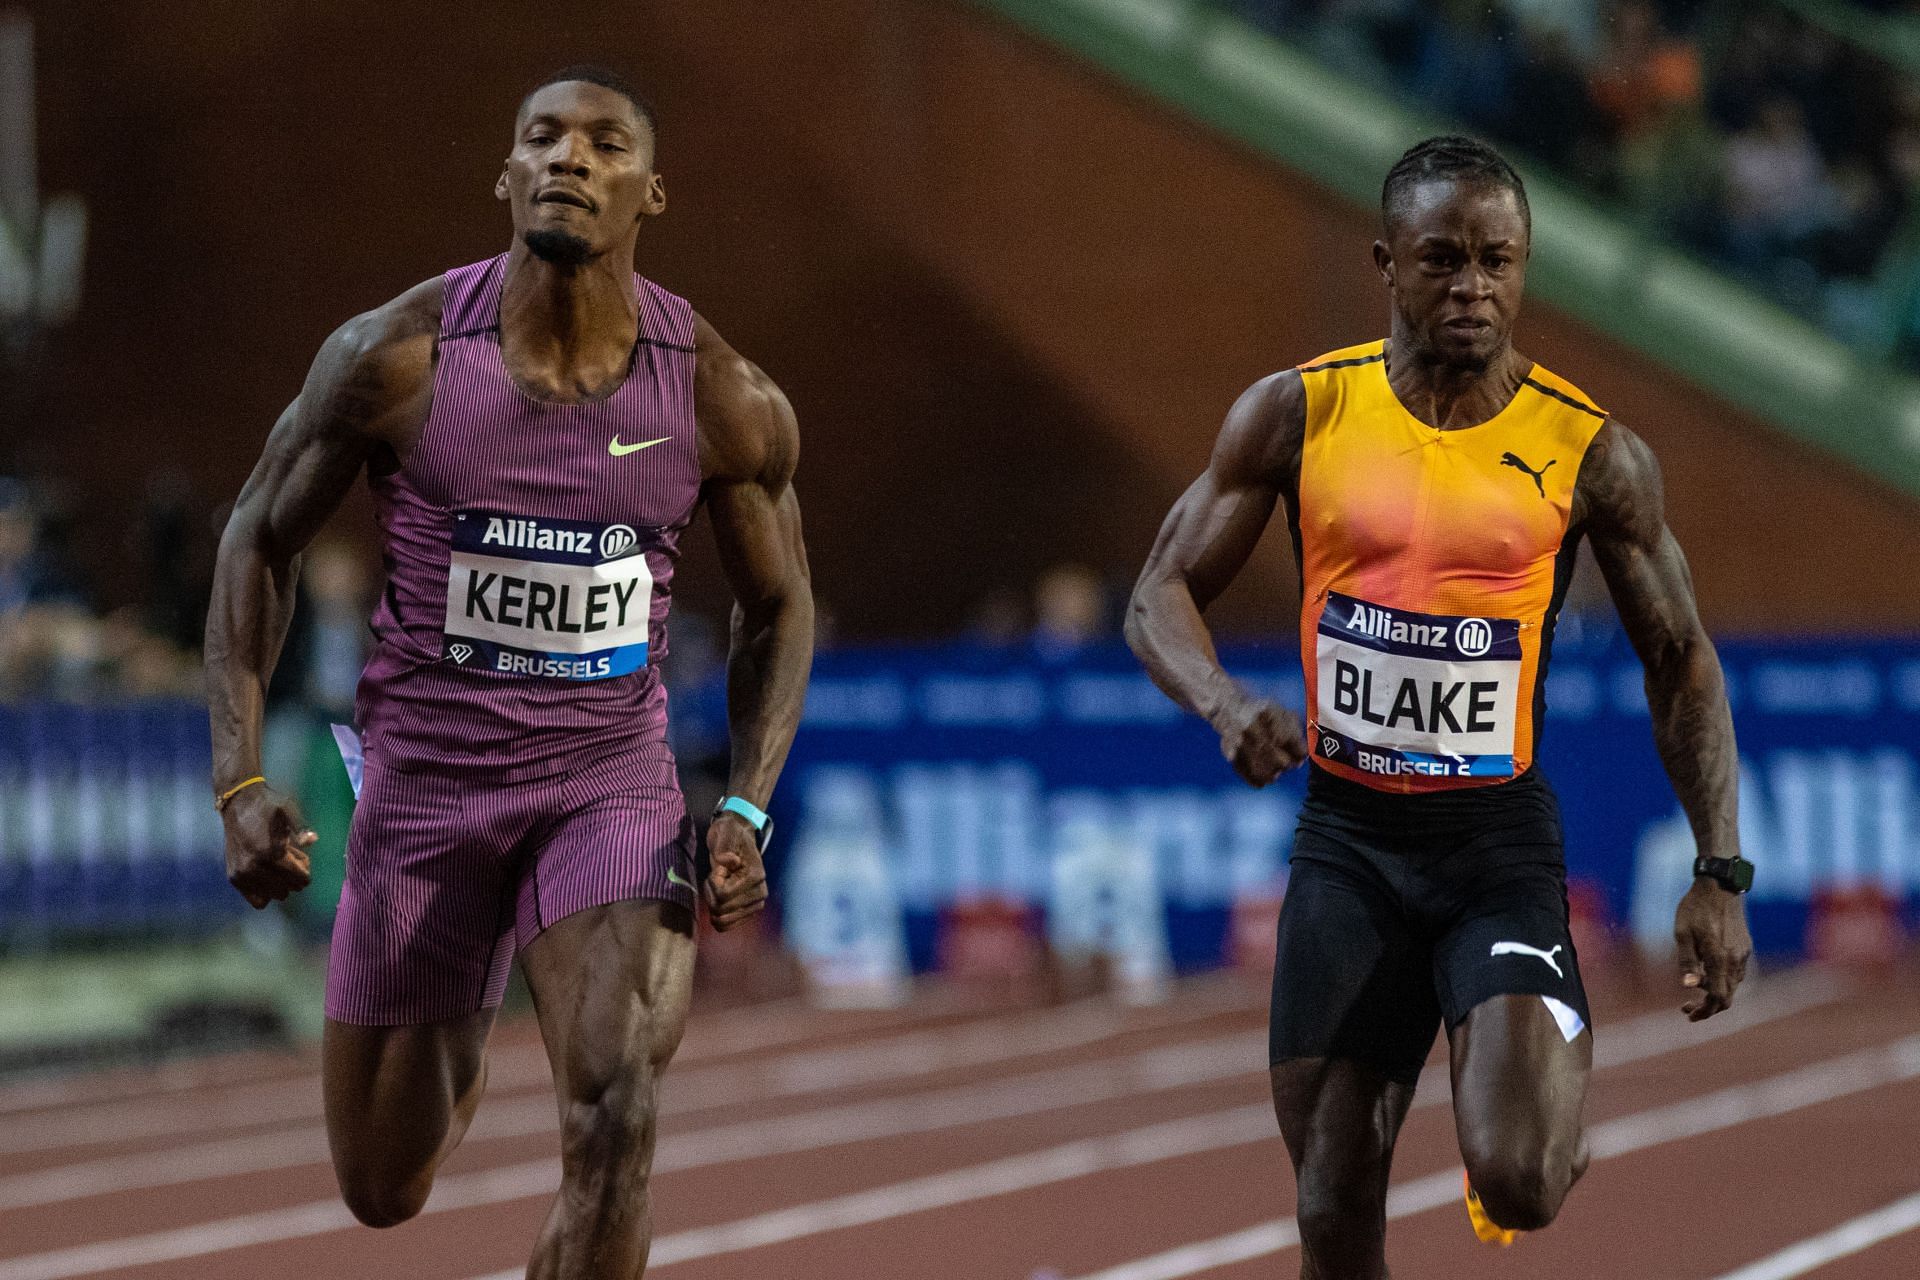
pixel 1513 460
pixel 1522 949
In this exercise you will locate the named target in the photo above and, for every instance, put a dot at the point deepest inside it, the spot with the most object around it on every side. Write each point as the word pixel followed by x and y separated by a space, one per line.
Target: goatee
pixel 561 248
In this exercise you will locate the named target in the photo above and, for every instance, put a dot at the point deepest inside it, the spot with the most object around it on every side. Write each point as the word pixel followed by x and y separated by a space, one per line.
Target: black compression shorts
pixel 1404 910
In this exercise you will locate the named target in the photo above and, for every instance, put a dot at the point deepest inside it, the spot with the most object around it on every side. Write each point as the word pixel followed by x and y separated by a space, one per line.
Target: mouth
pixel 1467 326
pixel 572 199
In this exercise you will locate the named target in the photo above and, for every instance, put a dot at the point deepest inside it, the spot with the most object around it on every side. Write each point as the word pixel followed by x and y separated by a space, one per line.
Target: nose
pixel 1472 282
pixel 568 156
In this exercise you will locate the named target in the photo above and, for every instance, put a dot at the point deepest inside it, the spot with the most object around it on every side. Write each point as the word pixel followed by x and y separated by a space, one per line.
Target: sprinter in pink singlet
pixel 537 430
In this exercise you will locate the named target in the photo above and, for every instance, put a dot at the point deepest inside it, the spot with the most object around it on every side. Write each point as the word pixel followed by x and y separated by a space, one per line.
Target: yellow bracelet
pixel 220 801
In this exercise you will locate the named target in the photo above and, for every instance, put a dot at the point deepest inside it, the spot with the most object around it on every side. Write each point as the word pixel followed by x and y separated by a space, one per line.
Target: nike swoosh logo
pixel 619 450
pixel 673 877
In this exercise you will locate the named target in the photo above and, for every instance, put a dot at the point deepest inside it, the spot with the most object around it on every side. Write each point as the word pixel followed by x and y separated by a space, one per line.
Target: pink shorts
pixel 448 875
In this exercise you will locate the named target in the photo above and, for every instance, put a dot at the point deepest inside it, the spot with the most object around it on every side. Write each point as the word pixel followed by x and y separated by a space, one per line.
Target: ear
pixel 500 190
pixel 1383 261
pixel 655 202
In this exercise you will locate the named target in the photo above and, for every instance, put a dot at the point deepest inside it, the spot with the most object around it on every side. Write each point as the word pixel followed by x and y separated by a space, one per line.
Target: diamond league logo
pixel 1329 745
pixel 460 652
pixel 1473 637
pixel 616 540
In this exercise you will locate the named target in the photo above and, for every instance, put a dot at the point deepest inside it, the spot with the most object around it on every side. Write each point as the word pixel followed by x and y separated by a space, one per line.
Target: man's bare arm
pixel 749 450
pixel 367 387
pixel 1621 505
pixel 1203 544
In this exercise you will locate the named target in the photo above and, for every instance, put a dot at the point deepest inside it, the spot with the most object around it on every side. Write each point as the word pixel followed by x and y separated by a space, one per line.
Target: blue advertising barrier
pixel 105 825
pixel 965 765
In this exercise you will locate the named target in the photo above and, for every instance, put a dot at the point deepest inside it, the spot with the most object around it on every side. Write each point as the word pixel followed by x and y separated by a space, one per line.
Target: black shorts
pixel 1403 910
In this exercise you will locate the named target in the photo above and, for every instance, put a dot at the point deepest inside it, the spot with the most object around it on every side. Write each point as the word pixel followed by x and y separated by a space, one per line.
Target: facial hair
pixel 561 248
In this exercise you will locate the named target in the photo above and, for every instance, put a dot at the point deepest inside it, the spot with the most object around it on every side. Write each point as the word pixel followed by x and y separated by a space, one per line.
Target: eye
pixel 1498 262
pixel 611 146
pixel 540 139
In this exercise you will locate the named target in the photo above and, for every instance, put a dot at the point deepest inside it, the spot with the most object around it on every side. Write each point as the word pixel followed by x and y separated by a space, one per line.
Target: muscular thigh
pixel 392 1093
pixel 612 985
pixel 1515 1006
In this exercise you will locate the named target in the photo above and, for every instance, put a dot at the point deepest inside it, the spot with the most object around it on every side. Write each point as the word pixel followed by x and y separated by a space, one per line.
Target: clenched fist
pixel 267 845
pixel 1261 739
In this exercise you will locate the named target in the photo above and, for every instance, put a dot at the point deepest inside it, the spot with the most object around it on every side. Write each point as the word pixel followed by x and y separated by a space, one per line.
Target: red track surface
pixel 945 1143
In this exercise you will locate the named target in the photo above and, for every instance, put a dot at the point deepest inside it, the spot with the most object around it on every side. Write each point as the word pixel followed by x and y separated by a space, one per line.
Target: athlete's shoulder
pixel 1260 440
pixel 746 425
pixel 378 362
pixel 1620 490
pixel 1347 357
pixel 1555 387
pixel 395 338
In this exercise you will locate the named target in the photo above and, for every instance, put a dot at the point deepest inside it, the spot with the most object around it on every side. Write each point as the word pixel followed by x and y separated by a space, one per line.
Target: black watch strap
pixel 1734 874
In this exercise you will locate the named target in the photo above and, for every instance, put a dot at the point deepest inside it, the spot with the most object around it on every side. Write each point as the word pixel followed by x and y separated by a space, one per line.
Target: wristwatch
pixel 1734 874
pixel 755 817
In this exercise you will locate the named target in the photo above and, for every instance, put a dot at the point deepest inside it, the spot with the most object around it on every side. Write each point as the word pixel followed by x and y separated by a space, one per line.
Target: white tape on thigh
pixel 1571 1023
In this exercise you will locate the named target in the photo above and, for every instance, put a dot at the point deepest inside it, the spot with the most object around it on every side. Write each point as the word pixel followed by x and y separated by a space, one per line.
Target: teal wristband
pixel 756 817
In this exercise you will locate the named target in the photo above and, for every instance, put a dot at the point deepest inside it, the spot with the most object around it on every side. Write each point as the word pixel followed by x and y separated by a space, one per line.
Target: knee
pixel 378 1202
pixel 1339 1214
pixel 1521 1191
pixel 612 1127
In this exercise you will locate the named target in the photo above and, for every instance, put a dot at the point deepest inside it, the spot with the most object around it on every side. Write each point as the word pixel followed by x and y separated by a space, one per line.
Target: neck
pixel 569 314
pixel 1448 396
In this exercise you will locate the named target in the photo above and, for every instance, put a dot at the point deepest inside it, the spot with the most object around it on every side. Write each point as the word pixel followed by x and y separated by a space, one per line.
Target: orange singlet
pixel 1433 564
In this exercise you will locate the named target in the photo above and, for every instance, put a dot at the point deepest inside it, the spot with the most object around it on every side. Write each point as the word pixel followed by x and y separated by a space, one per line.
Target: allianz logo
pixel 1471 636
pixel 955 828
pixel 1809 820
pixel 525 534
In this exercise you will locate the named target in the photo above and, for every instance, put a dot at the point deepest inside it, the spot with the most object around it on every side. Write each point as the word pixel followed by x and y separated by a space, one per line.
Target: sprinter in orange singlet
pixel 1437 486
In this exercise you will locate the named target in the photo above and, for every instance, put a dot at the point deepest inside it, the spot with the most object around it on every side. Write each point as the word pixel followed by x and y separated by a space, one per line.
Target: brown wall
pixel 1010 299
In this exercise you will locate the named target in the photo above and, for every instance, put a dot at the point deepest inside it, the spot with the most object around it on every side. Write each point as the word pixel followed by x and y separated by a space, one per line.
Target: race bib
pixel 1402 692
pixel 546 597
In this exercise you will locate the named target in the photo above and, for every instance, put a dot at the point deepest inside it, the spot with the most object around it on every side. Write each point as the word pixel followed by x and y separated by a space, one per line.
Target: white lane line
pixel 540 1177
pixel 1139 1073
pixel 800 1073
pixel 1843 1241
pixel 1724 1109
pixel 1172 1067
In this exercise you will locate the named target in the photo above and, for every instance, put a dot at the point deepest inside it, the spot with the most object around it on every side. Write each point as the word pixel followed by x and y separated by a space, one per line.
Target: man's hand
pixel 736 879
pixel 1711 931
pixel 267 845
pixel 1261 739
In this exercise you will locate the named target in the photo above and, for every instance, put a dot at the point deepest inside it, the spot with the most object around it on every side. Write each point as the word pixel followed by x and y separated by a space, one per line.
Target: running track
pixel 1085 1142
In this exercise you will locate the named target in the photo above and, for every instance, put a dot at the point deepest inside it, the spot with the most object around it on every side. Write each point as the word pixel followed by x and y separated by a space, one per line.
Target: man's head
pixel 580 176
pixel 1456 235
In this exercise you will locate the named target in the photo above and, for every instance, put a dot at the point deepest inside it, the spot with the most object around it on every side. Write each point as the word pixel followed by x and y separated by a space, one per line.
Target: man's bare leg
pixel 398 1101
pixel 612 985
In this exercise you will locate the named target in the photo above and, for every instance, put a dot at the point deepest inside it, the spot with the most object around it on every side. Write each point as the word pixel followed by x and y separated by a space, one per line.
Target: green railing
pixel 1602 265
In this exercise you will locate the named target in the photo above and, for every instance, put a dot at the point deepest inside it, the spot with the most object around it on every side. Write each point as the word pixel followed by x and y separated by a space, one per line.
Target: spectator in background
pixel 1644 73
pixel 1777 190
pixel 338 592
pixel 999 619
pixel 1069 611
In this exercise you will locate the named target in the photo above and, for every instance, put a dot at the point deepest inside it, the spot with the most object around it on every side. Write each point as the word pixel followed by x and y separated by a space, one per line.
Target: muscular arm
pixel 1203 544
pixel 368 382
pixel 1621 505
pixel 749 449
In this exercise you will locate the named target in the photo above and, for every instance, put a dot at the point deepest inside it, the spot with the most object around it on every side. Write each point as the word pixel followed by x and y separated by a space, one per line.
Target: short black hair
pixel 606 78
pixel 1452 157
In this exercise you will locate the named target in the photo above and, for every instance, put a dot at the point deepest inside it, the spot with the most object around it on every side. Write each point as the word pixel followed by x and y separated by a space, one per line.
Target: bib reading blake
pixel 1415 693
pixel 546 597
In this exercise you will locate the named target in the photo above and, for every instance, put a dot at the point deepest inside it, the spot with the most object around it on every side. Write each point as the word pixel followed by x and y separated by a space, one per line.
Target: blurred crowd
pixel 1747 132
pixel 54 642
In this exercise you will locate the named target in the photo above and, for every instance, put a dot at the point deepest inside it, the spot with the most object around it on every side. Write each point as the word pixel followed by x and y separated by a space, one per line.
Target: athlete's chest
pixel 631 459
pixel 1474 502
